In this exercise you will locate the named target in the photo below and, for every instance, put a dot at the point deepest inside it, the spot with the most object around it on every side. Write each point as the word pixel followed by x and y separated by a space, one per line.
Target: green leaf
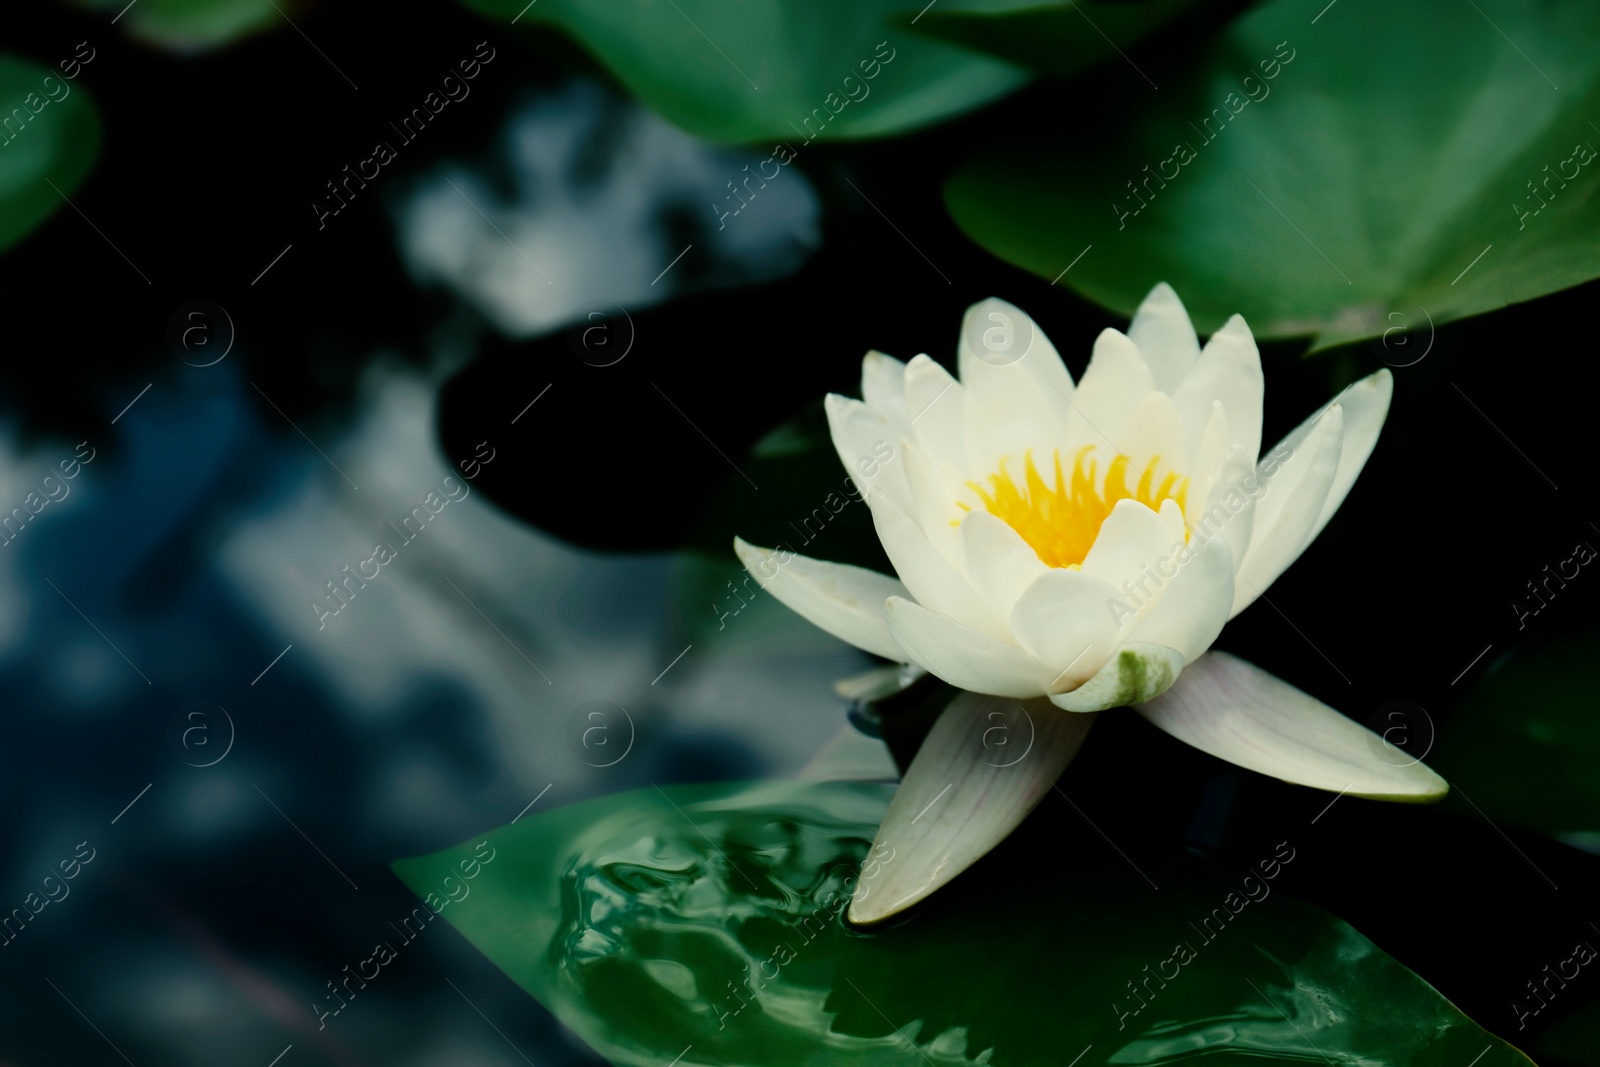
pixel 195 25
pixel 704 923
pixel 1392 147
pixel 1051 36
pixel 761 69
pixel 50 133
pixel 1525 743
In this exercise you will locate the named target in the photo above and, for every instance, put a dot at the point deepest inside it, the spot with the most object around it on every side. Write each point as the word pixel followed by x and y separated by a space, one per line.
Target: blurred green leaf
pixel 49 133
pixel 761 69
pixel 1051 36
pixel 1574 1041
pixel 704 924
pixel 195 25
pixel 1353 191
pixel 1525 743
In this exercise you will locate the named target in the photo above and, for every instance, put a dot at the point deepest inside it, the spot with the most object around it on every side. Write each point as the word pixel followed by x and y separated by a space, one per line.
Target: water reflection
pixel 591 198
pixel 191 563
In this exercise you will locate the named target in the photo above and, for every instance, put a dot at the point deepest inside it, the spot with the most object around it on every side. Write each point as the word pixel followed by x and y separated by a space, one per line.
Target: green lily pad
pixel 1372 167
pixel 196 25
pixel 49 132
pixel 704 925
pixel 1525 743
pixel 784 69
pixel 1051 36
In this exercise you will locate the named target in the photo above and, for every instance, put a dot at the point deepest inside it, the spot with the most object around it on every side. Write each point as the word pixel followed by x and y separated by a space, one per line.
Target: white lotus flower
pixel 1077 548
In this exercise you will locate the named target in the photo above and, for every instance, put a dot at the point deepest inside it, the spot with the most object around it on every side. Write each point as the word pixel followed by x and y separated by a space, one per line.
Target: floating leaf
pixel 704 925
pixel 1377 166
pixel 49 133
pixel 776 68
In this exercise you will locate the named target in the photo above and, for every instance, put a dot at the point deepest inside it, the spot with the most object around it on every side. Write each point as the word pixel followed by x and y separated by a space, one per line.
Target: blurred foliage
pixel 711 916
pixel 197 25
pixel 1050 36
pixel 49 135
pixel 1322 175
pixel 1524 746
pixel 1572 1042
pixel 760 70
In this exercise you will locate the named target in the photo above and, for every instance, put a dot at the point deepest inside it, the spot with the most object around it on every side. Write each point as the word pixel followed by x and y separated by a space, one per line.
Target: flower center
pixel 1060 522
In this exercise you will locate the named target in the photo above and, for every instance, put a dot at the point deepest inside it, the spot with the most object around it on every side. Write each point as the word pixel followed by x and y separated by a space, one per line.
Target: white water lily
pixel 1079 546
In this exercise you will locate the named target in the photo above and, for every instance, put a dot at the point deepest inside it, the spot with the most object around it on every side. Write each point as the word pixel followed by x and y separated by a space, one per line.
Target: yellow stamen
pixel 1061 522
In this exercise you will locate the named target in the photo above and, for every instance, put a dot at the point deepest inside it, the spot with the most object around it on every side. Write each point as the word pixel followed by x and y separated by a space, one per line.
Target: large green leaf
pixel 49 133
pixel 1393 145
pixel 197 25
pixel 703 925
pixel 760 69
pixel 1525 743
